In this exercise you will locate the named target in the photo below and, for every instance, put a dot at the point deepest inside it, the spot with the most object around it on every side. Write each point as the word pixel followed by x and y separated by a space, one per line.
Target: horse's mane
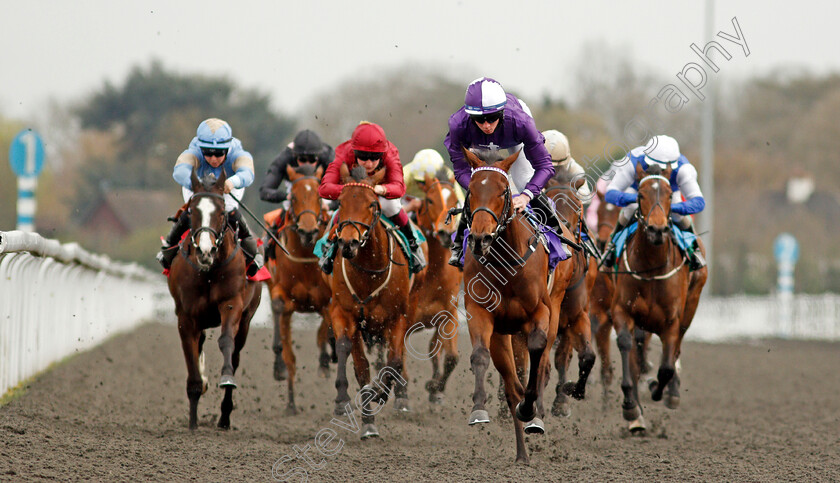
pixel 489 156
pixel 208 181
pixel 306 170
pixel 358 173
pixel 654 170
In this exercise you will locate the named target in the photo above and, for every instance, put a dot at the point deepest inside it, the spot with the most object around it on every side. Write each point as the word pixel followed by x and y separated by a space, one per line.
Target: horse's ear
pixel 344 173
pixel 667 172
pixel 291 173
pixel 640 173
pixel 580 182
pixel 508 161
pixel 427 182
pixel 319 172
pixel 377 177
pixel 220 183
pixel 196 183
pixel 452 179
pixel 472 158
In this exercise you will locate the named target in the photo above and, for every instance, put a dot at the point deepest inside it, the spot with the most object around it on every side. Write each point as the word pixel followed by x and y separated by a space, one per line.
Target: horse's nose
pixel 309 236
pixel 349 247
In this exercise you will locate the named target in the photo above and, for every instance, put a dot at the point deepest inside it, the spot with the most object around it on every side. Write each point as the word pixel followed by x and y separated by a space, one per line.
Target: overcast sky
pixel 295 50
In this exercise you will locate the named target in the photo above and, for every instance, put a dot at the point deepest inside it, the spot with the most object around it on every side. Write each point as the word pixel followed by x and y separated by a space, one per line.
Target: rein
pixel 295 218
pixel 219 237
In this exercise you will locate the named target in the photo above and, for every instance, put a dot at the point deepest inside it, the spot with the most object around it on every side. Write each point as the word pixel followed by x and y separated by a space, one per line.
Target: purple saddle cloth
pixel 556 252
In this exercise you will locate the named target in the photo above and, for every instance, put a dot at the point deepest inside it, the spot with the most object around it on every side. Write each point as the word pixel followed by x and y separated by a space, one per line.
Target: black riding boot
pixel 170 243
pixel 326 262
pixel 254 257
pixel 696 261
pixel 546 212
pixel 608 257
pixel 458 244
pixel 419 257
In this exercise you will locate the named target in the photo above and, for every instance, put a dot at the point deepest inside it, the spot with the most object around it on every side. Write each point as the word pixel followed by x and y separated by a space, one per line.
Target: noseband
pixel 643 218
pixel 219 236
pixel 358 225
pixel 443 217
pixel 295 217
pixel 502 220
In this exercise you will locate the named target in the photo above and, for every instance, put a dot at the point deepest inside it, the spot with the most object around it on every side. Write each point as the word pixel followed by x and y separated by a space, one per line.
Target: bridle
pixel 506 216
pixel 442 217
pixel 295 217
pixel 218 236
pixel 642 219
pixel 377 212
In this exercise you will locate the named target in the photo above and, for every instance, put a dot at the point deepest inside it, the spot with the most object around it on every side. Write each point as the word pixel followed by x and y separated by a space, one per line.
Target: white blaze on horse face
pixel 446 194
pixel 656 185
pixel 308 188
pixel 206 207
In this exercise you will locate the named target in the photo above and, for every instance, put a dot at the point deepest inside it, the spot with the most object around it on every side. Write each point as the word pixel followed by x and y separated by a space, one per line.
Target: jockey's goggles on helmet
pixel 491 118
pixel 210 152
pixel 306 158
pixel 368 155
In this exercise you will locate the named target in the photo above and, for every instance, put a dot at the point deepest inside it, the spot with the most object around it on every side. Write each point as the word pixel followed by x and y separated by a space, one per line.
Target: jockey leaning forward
pixel 369 148
pixel 622 191
pixel 212 150
pixel 492 120
pixel 425 162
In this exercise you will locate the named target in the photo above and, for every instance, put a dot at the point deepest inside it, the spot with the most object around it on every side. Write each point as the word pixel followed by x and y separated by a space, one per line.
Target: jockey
pixel 212 150
pixel 307 149
pixel 369 148
pixel 426 161
pixel 492 119
pixel 622 191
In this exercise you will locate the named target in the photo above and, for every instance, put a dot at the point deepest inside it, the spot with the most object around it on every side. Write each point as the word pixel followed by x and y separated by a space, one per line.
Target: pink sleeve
pixel 592 213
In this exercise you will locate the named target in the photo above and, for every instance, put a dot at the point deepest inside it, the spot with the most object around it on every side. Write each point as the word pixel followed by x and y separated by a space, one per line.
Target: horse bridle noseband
pixel 219 236
pixel 642 219
pixel 377 212
pixel 505 218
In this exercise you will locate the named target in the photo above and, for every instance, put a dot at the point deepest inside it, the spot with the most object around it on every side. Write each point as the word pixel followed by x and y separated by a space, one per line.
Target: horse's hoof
pixel 652 384
pixel 324 372
pixel 281 372
pixel 522 415
pixel 672 402
pixel 570 389
pixel 436 398
pixel 369 431
pixel 224 423
pixel 290 410
pixel 339 409
pixel 561 409
pixel 431 386
pixel 401 405
pixel 227 382
pixel 205 384
pixel 637 426
pixel 631 414
pixel 535 426
pixel 479 416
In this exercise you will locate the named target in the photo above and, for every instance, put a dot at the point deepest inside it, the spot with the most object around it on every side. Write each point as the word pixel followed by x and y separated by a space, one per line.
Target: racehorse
pixel 502 244
pixel 655 291
pixel 296 284
pixel 207 282
pixel 600 297
pixel 437 292
pixel 574 325
pixel 370 287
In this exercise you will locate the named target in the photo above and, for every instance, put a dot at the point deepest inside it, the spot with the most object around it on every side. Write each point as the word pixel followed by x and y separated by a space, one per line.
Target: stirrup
pixel 455 259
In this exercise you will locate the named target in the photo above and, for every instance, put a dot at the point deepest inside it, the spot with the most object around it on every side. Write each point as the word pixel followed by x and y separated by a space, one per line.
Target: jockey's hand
pixel 379 189
pixel 520 201
pixel 325 204
pixel 229 186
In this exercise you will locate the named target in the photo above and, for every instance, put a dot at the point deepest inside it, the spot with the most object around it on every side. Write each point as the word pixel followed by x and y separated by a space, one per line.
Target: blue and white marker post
pixel 26 155
pixel 786 252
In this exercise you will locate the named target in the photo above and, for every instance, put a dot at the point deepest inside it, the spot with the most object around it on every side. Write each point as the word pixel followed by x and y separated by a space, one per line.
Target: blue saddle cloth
pixel 685 239
pixel 320 251
pixel 556 252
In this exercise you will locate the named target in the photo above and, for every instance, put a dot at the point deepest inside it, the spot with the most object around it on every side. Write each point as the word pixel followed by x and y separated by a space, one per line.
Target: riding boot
pixel 254 257
pixel 458 244
pixel 696 261
pixel 548 215
pixel 608 258
pixel 326 262
pixel 169 247
pixel 416 249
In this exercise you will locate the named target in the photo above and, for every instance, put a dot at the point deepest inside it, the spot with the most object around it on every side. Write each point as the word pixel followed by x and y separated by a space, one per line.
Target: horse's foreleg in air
pixel 502 354
pixel 669 358
pixel 230 313
pixel 624 340
pixel 586 356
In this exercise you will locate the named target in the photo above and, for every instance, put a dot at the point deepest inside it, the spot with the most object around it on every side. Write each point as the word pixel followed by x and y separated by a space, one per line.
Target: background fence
pixel 58 299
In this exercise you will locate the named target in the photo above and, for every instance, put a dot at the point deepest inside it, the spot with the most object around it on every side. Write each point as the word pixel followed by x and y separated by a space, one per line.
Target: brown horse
pixel 505 279
pixel 370 294
pixel 207 282
pixel 601 295
pixel 296 284
pixel 437 292
pixel 574 325
pixel 655 291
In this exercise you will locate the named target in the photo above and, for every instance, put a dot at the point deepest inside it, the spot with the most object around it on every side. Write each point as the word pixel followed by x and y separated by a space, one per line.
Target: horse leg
pixel 227 400
pixel 481 328
pixel 433 384
pixel 343 347
pixel 204 381
pixel 396 361
pixel 667 366
pixel 289 358
pixel 502 354
pixel 538 349
pixel 562 357
pixel 450 360
pixel 642 339
pixel 195 385
pixel 362 369
pixel 602 340
pixel 631 408
pixel 277 308
pixel 582 339
pixel 519 345
pixel 321 341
